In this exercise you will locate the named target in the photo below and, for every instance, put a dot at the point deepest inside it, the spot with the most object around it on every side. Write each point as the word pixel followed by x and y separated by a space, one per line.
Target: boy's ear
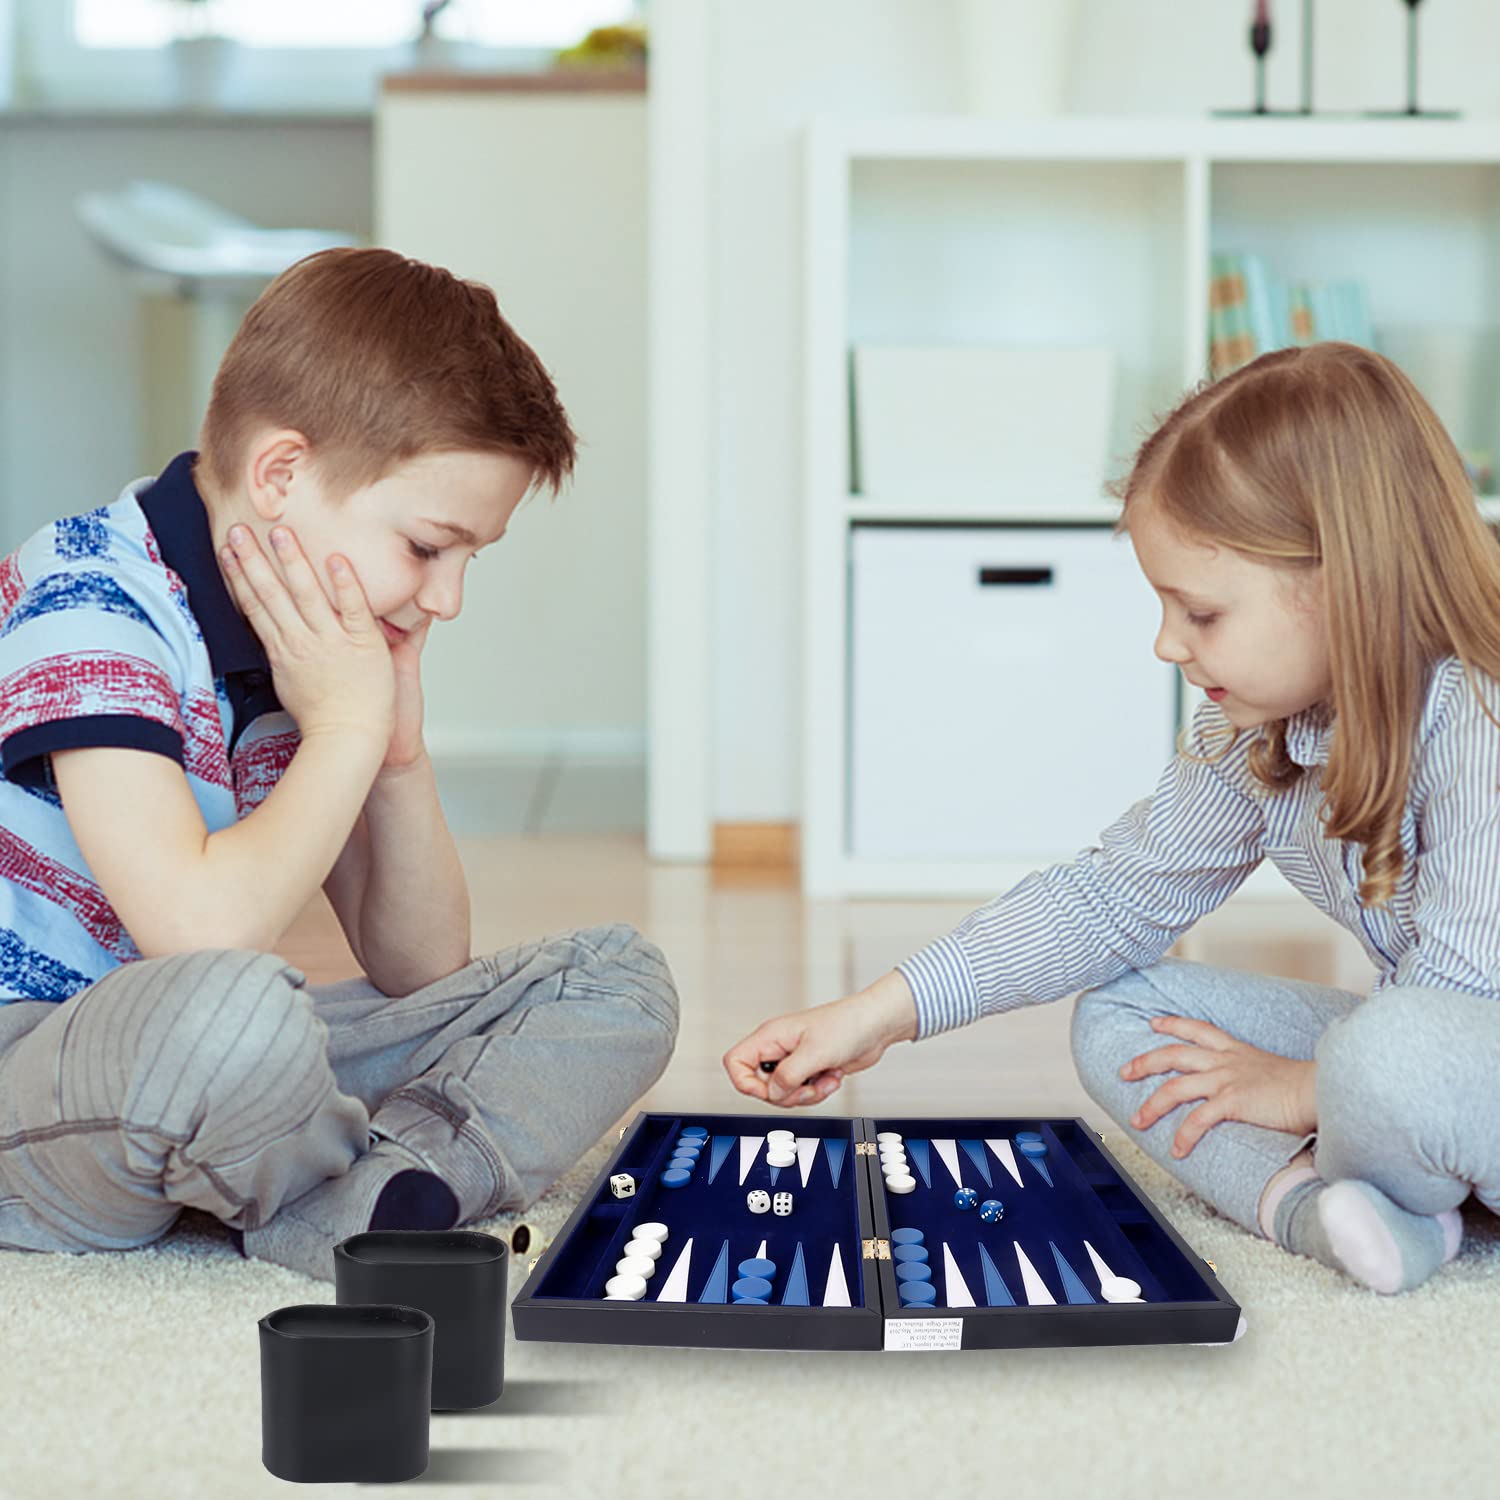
pixel 277 460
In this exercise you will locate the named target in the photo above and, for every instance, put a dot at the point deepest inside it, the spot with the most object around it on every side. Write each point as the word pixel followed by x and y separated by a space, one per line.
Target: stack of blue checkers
pixel 913 1274
pixel 684 1157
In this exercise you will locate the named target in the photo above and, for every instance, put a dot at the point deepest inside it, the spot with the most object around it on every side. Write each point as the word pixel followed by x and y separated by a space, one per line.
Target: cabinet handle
pixel 989 577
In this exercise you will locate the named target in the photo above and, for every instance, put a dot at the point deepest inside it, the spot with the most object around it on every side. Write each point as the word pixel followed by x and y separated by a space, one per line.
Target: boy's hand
pixel 1235 1080
pixel 814 1049
pixel 406 746
pixel 330 662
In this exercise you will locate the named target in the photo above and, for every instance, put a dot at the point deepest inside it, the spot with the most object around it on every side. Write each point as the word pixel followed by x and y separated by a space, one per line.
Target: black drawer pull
pixel 988 577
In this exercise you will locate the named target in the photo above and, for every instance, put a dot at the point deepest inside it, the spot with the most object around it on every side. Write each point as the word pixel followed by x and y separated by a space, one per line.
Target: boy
pixel 210 704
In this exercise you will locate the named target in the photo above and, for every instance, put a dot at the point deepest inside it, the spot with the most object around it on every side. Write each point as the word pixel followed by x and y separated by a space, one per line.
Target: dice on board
pixel 783 1203
pixel 965 1198
pixel 758 1202
pixel 622 1185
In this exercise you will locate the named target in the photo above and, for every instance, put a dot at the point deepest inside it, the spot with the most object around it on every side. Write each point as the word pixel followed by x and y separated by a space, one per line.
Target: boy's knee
pixel 244 1012
pixel 635 970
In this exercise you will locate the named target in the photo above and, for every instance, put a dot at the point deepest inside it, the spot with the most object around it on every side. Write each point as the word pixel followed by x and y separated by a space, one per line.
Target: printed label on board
pixel 924 1333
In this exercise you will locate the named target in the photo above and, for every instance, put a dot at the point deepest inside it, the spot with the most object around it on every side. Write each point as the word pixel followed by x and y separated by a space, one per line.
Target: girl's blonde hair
pixel 1329 454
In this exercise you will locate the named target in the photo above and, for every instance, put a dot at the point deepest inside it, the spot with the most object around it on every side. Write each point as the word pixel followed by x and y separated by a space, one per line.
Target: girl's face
pixel 1253 631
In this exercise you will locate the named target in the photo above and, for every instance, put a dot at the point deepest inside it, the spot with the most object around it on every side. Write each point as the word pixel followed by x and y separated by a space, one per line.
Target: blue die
pixel 965 1198
pixel 992 1210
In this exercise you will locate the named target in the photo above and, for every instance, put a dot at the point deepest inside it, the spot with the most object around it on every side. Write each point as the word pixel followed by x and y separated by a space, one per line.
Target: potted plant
pixel 201 55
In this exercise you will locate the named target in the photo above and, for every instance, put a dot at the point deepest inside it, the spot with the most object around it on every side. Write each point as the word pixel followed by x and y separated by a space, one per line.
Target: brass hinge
pixel 621 1135
pixel 531 1265
pixel 1211 1266
pixel 864 1148
pixel 877 1249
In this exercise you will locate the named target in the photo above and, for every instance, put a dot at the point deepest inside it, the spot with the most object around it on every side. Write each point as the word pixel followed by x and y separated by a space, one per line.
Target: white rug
pixel 137 1376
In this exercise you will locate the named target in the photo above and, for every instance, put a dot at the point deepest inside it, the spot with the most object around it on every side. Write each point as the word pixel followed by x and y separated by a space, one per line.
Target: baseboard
pixel 757 846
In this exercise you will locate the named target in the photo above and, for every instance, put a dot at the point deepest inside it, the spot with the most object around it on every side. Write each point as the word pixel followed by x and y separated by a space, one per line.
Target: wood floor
pixel 746 947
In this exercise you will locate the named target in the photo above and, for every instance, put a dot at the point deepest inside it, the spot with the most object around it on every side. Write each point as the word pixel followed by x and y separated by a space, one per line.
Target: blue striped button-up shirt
pixel 1179 853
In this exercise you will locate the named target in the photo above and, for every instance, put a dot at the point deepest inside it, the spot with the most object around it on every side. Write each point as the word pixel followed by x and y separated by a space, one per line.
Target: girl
pixel 1327 580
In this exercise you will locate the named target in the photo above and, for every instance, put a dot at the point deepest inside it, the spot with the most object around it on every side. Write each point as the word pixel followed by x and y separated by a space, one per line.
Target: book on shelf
pixel 1252 310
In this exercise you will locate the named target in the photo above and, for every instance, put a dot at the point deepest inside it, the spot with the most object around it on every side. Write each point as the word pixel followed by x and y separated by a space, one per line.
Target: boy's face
pixel 1255 631
pixel 401 533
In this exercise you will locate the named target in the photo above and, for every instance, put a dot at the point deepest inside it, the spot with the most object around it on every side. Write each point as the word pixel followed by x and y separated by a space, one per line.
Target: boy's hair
pixel 1329 454
pixel 376 359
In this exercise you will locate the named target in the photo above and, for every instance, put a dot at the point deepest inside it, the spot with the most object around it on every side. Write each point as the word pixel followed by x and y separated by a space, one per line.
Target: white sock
pixel 1353 1227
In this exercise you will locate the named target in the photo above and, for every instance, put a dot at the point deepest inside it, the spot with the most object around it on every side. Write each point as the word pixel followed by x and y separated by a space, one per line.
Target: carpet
pixel 136 1375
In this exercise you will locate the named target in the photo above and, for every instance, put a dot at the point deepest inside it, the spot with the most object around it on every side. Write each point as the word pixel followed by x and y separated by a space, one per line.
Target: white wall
pixel 543 198
pixel 774 65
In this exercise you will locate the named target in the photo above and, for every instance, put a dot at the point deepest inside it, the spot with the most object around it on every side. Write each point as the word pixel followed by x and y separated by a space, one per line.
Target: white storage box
pixel 1006 704
pixel 1027 429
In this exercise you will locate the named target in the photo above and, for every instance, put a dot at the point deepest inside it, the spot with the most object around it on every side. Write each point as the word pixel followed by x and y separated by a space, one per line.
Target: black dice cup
pixel 345 1392
pixel 457 1275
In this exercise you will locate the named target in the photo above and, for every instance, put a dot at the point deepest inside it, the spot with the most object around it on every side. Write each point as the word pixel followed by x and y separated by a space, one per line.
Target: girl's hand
pixel 1236 1081
pixel 814 1049
pixel 406 746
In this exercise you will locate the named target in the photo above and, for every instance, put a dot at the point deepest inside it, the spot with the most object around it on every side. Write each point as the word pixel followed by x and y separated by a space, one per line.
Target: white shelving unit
pixel 1082 231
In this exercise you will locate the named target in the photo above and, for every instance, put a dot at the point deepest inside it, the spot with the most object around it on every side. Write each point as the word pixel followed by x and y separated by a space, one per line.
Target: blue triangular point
pixel 975 1150
pixel 1076 1290
pixel 919 1153
pixel 723 1145
pixel 835 1151
pixel 717 1289
pixel 796 1282
pixel 996 1293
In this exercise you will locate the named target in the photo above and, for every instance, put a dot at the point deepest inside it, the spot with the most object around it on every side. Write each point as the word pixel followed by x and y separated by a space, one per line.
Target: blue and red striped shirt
pixel 116 628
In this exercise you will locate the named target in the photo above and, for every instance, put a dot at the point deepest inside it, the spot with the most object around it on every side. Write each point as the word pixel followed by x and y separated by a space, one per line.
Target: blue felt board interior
pixel 1086 1199
pixel 823 1214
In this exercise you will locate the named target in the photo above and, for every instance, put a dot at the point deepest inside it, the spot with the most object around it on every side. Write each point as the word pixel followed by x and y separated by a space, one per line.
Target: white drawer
pixel 1005 701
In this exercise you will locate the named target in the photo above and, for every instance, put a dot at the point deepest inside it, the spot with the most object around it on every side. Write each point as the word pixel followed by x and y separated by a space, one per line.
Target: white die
pixel 622 1185
pixel 758 1202
pixel 783 1204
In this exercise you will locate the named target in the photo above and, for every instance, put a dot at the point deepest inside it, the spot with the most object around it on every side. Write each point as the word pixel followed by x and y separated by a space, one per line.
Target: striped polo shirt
pixel 1176 855
pixel 116 628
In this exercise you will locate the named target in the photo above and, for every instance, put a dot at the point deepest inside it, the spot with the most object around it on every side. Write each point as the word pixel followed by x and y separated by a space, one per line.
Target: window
pixel 299 56
pixel 372 23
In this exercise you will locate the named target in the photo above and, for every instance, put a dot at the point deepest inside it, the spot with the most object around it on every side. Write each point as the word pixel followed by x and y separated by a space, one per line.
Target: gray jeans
pixel 222 1081
pixel 1406 1082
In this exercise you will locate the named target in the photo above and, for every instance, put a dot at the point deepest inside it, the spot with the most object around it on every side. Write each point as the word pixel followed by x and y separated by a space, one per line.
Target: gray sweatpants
pixel 1406 1082
pixel 221 1080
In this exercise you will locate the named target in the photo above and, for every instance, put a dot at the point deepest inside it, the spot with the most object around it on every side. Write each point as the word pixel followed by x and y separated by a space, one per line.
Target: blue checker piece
pixel 758 1266
pixel 909 1252
pixel 1032 1148
pixel 1028 1135
pixel 918 1294
pixel 699 1132
pixel 675 1177
pixel 751 1286
pixel 751 1302
pixel 907 1237
pixel 683 1159
pixel 913 1270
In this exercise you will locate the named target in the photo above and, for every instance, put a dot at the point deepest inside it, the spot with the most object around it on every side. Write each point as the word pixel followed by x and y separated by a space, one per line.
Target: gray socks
pixel 1354 1228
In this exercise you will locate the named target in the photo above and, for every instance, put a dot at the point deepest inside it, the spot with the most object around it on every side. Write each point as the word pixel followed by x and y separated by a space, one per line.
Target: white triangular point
pixel 674 1288
pixel 1007 1159
pixel 836 1293
pixel 948 1150
pixel 953 1282
pixel 749 1149
pixel 761 1253
pixel 1036 1289
pixel 1103 1271
pixel 807 1154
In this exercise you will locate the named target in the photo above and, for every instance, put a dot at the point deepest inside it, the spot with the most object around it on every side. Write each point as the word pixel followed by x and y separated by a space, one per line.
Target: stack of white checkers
pixel 898 1177
pixel 781 1148
pixel 637 1265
